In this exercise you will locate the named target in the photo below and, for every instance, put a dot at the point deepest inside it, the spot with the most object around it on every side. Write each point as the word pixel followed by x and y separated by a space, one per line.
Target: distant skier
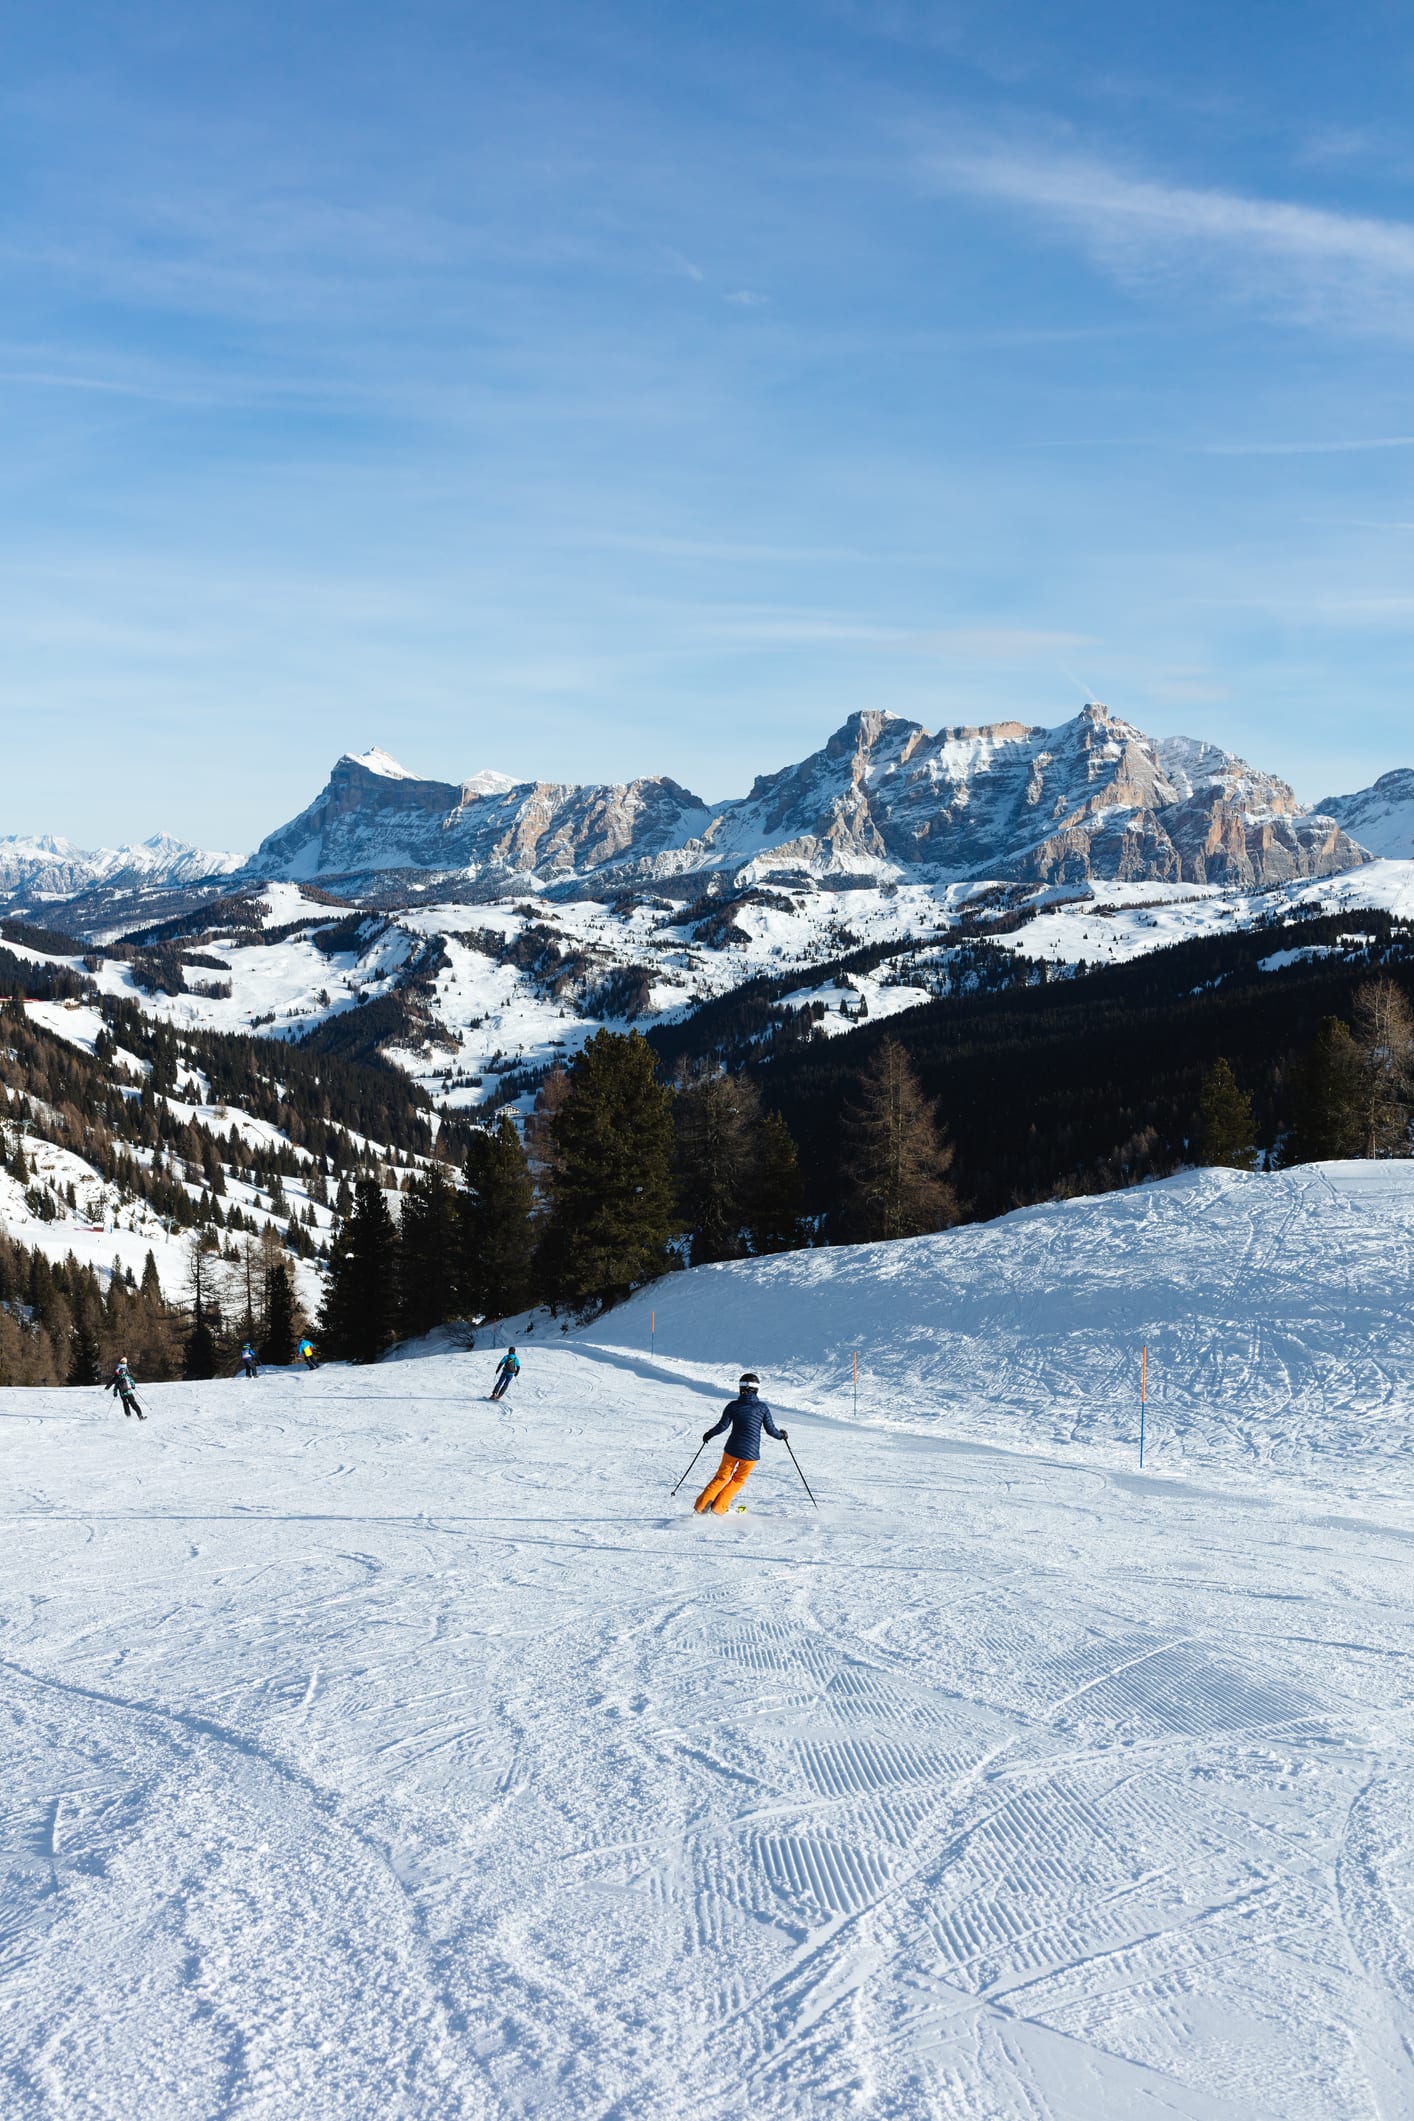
pixel 123 1388
pixel 507 1371
pixel 747 1415
pixel 249 1365
pixel 307 1354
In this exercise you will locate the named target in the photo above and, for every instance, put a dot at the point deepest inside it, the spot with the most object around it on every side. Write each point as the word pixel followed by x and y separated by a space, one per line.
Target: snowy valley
pixel 894 878
pixel 503 922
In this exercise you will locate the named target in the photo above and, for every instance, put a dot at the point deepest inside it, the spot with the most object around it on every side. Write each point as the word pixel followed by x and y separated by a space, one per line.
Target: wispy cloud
pixel 749 552
pixel 780 627
pixel 1309 446
pixel 108 386
pixel 1351 446
pixel 1341 270
pixel 1356 523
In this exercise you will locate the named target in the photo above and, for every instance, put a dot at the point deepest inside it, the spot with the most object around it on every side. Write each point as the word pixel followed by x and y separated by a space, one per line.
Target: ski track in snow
pixel 371 1751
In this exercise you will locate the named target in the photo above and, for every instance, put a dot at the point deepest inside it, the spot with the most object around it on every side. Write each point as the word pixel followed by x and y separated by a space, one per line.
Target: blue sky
pixel 602 388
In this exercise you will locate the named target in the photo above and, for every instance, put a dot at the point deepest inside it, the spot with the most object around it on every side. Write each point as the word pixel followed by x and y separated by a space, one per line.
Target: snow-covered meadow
pixel 368 1750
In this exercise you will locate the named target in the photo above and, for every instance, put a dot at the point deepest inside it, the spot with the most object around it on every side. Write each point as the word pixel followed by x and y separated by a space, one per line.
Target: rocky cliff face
pixel 370 819
pixel 1093 798
pixel 1382 817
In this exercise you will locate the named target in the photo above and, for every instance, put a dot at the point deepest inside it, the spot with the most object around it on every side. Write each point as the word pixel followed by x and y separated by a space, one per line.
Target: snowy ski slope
pixel 1277 1309
pixel 366 1750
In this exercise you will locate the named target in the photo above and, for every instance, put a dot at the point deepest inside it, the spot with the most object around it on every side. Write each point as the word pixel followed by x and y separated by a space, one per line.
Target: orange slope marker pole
pixel 652 1332
pixel 856 1384
pixel 1143 1397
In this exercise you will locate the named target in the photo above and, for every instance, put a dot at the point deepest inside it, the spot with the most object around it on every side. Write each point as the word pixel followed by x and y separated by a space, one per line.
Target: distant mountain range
pixel 43 867
pixel 884 800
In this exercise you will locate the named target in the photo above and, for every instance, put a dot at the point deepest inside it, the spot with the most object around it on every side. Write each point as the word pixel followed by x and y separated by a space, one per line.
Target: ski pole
pixel 692 1462
pixel 803 1481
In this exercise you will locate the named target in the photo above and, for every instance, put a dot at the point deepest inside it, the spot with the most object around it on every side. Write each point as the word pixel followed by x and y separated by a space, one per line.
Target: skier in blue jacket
pixel 507 1369
pixel 747 1415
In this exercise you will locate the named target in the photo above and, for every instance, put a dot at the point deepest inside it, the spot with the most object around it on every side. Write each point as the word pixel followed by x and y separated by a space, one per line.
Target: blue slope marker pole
pixel 1143 1397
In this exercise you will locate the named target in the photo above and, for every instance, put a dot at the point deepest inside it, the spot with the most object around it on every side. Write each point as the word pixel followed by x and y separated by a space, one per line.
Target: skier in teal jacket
pixel 507 1370
pixel 123 1387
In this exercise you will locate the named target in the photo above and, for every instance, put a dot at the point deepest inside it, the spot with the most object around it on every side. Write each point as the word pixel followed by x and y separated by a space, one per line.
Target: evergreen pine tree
pixel 1225 1127
pixel 115 1303
pixel 201 1341
pixel 776 1191
pixel 360 1304
pixel 717 1121
pixel 83 1369
pixel 254 1262
pixel 612 1195
pixel 278 1338
pixel 148 1336
pixel 497 1234
pixel 427 1254
pixel 1327 1097
pixel 897 1156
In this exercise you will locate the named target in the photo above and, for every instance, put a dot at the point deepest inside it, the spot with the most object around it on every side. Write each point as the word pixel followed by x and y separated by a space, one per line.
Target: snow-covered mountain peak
pixel 16 844
pixel 1380 817
pixel 45 867
pixel 883 795
pixel 375 760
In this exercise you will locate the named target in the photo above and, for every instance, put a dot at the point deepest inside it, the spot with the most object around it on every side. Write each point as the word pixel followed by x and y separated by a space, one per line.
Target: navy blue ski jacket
pixel 747 1415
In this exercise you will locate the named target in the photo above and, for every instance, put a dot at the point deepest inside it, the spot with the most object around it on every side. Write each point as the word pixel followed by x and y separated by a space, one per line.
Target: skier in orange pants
pixel 747 1416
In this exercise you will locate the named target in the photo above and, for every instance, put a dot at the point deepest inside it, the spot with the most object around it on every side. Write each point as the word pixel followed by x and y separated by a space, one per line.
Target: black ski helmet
pixel 748 1377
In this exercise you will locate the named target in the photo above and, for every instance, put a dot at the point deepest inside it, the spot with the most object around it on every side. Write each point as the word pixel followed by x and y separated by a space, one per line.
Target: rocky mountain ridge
pixel 369 820
pixel 47 867
pixel 884 798
pixel 1380 817
pixel 883 801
